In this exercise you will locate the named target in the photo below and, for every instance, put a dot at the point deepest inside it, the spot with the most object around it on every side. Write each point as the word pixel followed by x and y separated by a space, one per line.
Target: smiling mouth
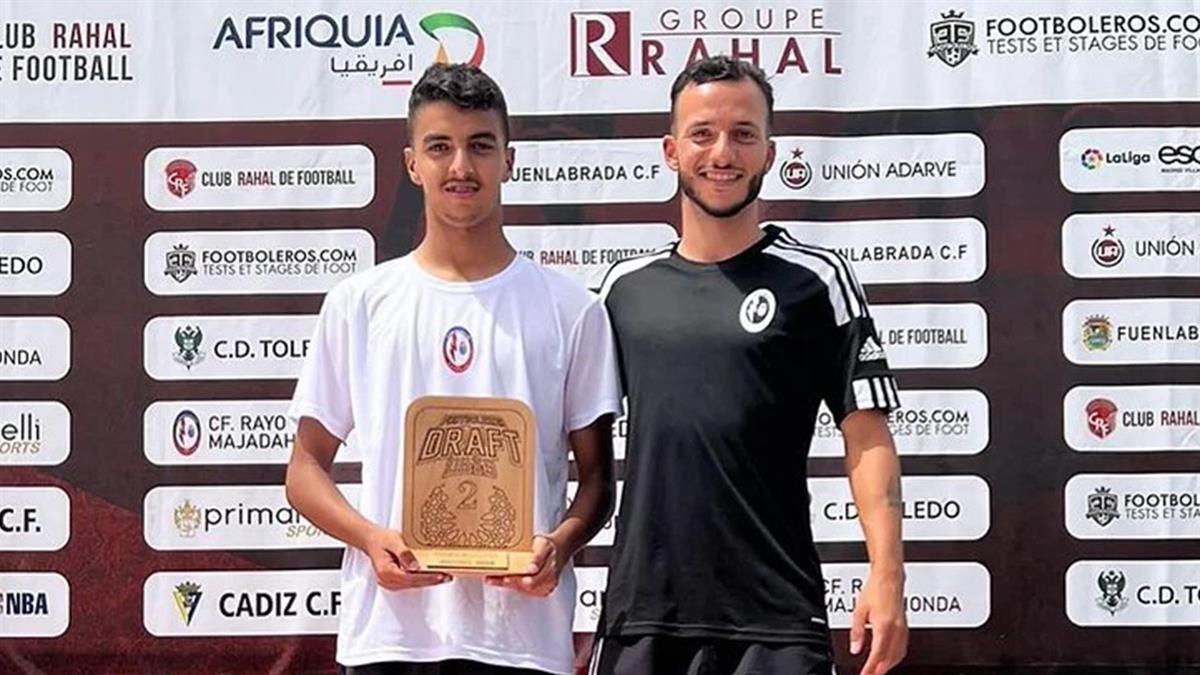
pixel 721 176
pixel 461 189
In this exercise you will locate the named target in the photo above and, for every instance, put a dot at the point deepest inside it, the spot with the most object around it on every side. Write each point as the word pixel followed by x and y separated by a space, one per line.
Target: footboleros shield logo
pixel 1102 507
pixel 435 23
pixel 952 39
pixel 181 263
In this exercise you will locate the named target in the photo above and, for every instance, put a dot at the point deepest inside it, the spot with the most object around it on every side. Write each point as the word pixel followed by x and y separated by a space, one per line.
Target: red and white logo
pixel 458 350
pixel 601 44
pixel 181 177
pixel 186 433
pixel 1101 417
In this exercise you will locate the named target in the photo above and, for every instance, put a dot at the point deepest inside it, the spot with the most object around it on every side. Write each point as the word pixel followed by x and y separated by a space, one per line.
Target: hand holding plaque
pixel 468 484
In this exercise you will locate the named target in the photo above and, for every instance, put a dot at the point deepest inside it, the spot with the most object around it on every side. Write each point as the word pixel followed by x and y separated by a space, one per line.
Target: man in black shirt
pixel 729 341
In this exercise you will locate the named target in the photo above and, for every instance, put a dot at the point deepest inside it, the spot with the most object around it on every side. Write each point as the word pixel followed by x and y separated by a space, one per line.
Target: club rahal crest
pixel 952 39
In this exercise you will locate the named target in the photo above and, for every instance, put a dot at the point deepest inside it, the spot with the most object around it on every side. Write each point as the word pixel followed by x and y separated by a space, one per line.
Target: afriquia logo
pixel 434 24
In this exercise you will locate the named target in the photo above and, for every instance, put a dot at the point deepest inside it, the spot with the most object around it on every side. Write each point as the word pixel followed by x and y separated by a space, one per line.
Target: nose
pixel 460 166
pixel 722 150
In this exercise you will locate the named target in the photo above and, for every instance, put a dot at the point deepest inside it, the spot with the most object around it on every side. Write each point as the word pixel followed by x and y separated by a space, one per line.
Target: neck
pixel 463 253
pixel 707 239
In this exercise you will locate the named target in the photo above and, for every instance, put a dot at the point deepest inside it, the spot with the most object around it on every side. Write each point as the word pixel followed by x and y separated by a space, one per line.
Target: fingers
pixel 858 627
pixel 541 576
pixel 543 549
pixel 889 642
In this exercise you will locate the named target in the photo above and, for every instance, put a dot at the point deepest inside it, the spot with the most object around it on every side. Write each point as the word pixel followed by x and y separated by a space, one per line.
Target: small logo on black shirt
pixel 757 310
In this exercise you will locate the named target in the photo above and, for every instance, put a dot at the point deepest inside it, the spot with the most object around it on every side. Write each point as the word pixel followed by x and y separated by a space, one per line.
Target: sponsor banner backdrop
pixel 1132 331
pixel 933 336
pixel 587 251
pixel 1132 418
pixel 1131 245
pixel 230 517
pixel 241 602
pixel 605 536
pixel 1133 506
pixel 936 595
pixel 34 518
pixel 34 263
pixel 1131 160
pixel 223 432
pixel 1151 593
pixel 35 179
pixel 284 177
pixel 35 604
pixel 929 422
pixel 903 251
pixel 590 583
pixel 589 172
pixel 34 348
pixel 34 433
pixel 264 261
pixel 876 167
pixel 226 347
pixel 936 508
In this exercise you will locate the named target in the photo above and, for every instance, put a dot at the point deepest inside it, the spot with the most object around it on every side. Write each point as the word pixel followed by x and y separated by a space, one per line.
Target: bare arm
pixel 874 471
pixel 592 506
pixel 312 492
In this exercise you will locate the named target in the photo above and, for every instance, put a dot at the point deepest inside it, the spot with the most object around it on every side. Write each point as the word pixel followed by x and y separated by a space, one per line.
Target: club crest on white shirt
pixel 757 310
pixel 458 350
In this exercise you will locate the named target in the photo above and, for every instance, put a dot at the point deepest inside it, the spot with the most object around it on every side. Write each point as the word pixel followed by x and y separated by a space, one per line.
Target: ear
pixel 670 152
pixel 770 156
pixel 410 163
pixel 510 155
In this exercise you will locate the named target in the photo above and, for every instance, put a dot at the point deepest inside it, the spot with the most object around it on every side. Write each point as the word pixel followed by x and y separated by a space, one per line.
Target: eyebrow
pixel 741 124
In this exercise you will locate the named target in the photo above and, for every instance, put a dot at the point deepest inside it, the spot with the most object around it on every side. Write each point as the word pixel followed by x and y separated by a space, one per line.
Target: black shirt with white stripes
pixel 725 366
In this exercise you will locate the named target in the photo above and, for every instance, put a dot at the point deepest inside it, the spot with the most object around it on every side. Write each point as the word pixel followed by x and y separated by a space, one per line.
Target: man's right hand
pixel 396 567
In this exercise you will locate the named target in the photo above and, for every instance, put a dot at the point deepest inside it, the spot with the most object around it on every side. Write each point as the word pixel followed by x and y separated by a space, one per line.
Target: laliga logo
pixel 1092 159
pixel 181 177
pixel 435 23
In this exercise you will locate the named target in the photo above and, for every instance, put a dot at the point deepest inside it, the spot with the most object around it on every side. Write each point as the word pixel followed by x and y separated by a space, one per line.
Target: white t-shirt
pixel 395 333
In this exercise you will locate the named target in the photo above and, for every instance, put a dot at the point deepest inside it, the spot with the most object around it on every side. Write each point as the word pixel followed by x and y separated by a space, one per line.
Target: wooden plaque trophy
pixel 468 484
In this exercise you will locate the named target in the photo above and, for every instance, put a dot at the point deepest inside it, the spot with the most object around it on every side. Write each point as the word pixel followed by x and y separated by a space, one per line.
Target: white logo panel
pixel 1132 418
pixel 828 168
pixel 223 432
pixel 1161 593
pixel 1131 245
pixel 34 518
pixel 34 433
pixel 1135 159
pixel 933 336
pixel 586 252
pixel 282 177
pixel 226 347
pixel 1132 331
pixel 590 583
pixel 254 262
pixel 929 422
pixel 34 263
pixel 936 508
pixel 34 348
pixel 1133 506
pixel 292 602
pixel 589 172
pixel 936 595
pixel 34 604
pixel 235 517
pixel 950 250
pixel 35 179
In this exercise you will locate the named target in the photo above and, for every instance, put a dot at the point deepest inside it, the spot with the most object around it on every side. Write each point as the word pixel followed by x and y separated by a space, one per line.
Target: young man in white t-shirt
pixel 463 315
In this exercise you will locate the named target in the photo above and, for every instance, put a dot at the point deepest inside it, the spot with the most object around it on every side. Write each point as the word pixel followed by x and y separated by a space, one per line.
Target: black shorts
pixel 449 667
pixel 669 655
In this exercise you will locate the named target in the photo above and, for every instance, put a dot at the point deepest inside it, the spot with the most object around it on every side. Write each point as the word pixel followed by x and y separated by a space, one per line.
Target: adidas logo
pixel 871 350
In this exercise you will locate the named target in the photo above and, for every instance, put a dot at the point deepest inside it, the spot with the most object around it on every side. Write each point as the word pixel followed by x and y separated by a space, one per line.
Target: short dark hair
pixel 461 85
pixel 720 68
